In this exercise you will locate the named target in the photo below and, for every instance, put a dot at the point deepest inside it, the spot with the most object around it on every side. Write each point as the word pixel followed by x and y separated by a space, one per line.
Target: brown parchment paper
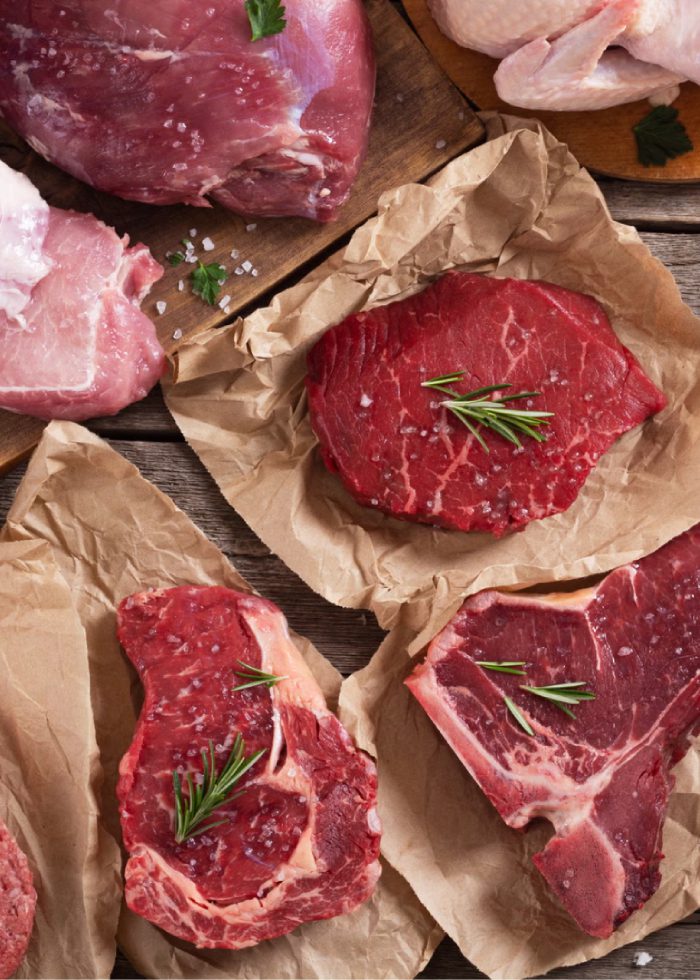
pixel 521 206
pixel 49 768
pixel 472 872
pixel 112 533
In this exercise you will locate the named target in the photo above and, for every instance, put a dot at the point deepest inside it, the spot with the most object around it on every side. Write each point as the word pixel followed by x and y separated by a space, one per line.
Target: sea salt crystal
pixel 161 306
pixel 254 272
pixel 324 192
pixel 238 271
pixel 208 244
pixel 181 284
pixel 399 97
pixel 177 334
pixel 193 232
pixel 251 227
pixel 642 958
pixel 224 301
pixel 365 400
pixel 235 253
pixel 441 144
pixel 246 266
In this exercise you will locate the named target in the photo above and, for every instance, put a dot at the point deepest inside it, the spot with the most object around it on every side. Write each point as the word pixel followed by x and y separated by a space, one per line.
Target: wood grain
pixel 145 434
pixel 602 141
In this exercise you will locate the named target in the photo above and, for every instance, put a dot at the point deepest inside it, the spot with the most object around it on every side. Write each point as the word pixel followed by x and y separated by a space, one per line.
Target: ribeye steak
pixel 75 343
pixel 302 841
pixel 17 904
pixel 602 779
pixel 397 449
pixel 170 101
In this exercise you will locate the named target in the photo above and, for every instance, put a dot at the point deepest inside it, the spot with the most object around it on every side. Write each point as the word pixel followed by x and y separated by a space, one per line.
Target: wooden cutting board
pixel 603 141
pixel 420 123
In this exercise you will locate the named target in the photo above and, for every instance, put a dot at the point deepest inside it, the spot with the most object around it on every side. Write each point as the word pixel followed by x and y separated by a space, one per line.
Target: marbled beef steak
pixel 396 447
pixel 602 778
pixel 301 841
pixel 17 903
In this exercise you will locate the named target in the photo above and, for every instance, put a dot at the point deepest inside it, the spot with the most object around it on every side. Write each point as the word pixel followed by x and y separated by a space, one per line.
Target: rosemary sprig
pixel 518 715
pixel 475 408
pixel 562 695
pixel 254 676
pixel 213 791
pixel 502 666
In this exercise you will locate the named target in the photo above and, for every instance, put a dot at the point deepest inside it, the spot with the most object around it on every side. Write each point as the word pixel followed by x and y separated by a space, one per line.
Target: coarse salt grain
pixel 234 253
pixel 642 958
pixel 177 334
pixel 193 232
pixel 238 271
pixel 324 192
pixel 250 227
pixel 161 306
pixel 246 266
pixel 253 272
pixel 224 301
pixel 208 244
pixel 181 284
pixel 441 144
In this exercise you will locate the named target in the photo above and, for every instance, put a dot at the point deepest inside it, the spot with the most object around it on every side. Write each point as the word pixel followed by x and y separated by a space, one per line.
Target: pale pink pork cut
pixel 75 343
pixel 301 842
pixel 171 101
pixel 17 904
pixel 602 778
pixel 397 449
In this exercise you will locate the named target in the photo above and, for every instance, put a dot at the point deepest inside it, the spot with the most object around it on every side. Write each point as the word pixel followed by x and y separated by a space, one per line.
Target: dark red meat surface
pixel 17 903
pixel 169 101
pixel 603 780
pixel 302 841
pixel 395 448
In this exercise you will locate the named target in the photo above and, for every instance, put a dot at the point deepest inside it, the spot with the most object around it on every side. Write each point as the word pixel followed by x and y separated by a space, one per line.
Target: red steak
pixel 397 449
pixel 17 903
pixel 302 840
pixel 602 779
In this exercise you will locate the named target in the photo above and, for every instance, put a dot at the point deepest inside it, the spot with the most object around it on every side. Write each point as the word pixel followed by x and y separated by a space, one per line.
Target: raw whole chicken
pixel 580 54
pixel 167 101
pixel 74 342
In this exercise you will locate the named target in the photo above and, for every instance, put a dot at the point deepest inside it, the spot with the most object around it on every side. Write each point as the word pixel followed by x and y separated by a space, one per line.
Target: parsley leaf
pixel 207 280
pixel 266 18
pixel 661 137
pixel 175 258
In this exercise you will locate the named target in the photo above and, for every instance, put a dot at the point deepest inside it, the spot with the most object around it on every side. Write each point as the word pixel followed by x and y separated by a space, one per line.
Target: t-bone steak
pixel 302 840
pixel 75 343
pixel 397 448
pixel 17 904
pixel 173 101
pixel 602 779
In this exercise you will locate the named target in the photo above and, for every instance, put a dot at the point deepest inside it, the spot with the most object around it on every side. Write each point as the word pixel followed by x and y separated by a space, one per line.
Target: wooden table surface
pixel 669 219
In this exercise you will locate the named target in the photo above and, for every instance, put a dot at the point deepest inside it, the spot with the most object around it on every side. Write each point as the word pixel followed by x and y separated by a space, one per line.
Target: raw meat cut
pixel 169 101
pixel 17 903
pixel 302 841
pixel 602 779
pixel 75 343
pixel 398 449
pixel 580 54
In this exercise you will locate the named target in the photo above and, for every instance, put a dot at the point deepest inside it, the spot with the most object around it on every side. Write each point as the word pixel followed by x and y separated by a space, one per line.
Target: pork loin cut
pixel 602 779
pixel 17 904
pixel 167 102
pixel 75 343
pixel 397 448
pixel 302 841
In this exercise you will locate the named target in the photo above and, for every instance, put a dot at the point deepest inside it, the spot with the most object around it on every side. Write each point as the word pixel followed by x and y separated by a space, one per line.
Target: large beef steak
pixel 602 778
pixel 301 841
pixel 397 448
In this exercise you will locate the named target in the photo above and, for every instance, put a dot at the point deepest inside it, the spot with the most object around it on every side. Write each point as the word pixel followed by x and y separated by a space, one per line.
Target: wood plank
pixel 601 140
pixel 405 145
pixel 650 206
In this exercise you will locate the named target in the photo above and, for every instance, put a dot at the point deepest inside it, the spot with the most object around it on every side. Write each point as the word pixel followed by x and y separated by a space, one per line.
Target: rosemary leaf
pixel 518 715
pixel 254 676
pixel 475 410
pixel 502 666
pixel 214 790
